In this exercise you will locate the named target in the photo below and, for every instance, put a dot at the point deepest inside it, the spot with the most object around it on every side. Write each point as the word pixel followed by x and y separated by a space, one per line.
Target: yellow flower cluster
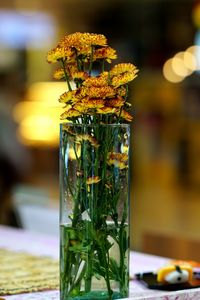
pixel 119 160
pixel 79 39
pixel 95 95
pixel 87 137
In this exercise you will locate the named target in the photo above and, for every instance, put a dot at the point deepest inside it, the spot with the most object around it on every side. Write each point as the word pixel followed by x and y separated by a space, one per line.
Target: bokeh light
pixel 169 73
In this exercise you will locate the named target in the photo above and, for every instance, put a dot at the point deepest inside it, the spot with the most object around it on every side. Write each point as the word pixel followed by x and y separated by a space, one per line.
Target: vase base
pixel 97 295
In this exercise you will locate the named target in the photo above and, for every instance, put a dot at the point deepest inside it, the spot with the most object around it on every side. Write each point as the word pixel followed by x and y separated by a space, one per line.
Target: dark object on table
pixel 149 279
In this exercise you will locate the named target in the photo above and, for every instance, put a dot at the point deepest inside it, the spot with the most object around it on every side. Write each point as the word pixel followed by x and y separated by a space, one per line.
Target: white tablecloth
pixel 16 239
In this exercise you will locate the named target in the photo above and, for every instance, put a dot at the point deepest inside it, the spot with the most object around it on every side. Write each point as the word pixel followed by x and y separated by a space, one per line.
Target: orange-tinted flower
pixel 79 75
pixel 78 39
pixel 71 40
pixel 119 160
pixel 106 53
pixel 117 102
pixel 87 137
pixel 93 103
pixel 67 97
pixel 121 91
pixel 59 53
pixel 122 79
pixel 59 74
pixel 100 92
pixel 81 108
pixel 123 68
pixel 93 179
pixel 70 113
pixel 106 110
pixel 98 81
pixel 68 129
pixel 125 115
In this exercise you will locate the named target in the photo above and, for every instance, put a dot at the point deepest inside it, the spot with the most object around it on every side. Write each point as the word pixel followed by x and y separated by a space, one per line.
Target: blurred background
pixel 162 38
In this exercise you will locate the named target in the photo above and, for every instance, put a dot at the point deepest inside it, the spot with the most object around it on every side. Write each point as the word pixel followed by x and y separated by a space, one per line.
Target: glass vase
pixel 94 211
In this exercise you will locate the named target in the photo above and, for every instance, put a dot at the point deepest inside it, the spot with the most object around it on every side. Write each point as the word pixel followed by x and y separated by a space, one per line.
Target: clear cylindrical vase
pixel 94 211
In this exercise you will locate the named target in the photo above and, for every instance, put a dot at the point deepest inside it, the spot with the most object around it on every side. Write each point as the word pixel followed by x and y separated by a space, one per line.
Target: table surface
pixel 38 244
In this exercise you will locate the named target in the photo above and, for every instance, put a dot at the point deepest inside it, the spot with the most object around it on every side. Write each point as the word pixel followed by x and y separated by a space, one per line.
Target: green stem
pixel 91 59
pixel 77 282
pixel 66 76
pixel 106 266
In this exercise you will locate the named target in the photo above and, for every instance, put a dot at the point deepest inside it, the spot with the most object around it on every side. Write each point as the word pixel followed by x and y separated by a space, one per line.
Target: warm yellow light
pixel 178 65
pixel 38 129
pixel 190 61
pixel 39 116
pixel 169 73
pixel 195 51
pixel 27 108
pixel 48 92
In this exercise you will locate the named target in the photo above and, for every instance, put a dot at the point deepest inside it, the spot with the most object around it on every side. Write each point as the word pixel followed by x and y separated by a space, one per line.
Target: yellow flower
pixel 106 53
pixel 59 74
pixel 100 92
pixel 98 81
pixel 119 160
pixel 79 39
pixel 68 129
pixel 67 97
pixel 118 102
pixel 70 113
pixel 123 68
pixel 125 115
pixel 121 91
pixel 92 103
pixel 59 53
pixel 93 179
pixel 79 75
pixel 87 137
pixel 93 39
pixel 81 108
pixel 123 79
pixel 106 110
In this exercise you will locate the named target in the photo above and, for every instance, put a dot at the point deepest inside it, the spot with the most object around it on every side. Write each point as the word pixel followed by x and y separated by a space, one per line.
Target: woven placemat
pixel 21 272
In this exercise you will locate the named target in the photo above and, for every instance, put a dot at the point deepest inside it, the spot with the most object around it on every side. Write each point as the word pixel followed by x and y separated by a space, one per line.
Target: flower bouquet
pixel 94 173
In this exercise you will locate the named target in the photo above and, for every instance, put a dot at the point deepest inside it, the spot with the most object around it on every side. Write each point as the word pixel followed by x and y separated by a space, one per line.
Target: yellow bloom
pixel 79 75
pixel 59 74
pixel 106 53
pixel 59 53
pixel 93 179
pixel 87 137
pixel 125 115
pixel 118 102
pixel 98 81
pixel 93 103
pixel 123 68
pixel 106 110
pixel 119 160
pixel 121 91
pixel 68 129
pixel 80 106
pixel 123 79
pixel 70 113
pixel 93 39
pixel 78 39
pixel 100 92
pixel 67 97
